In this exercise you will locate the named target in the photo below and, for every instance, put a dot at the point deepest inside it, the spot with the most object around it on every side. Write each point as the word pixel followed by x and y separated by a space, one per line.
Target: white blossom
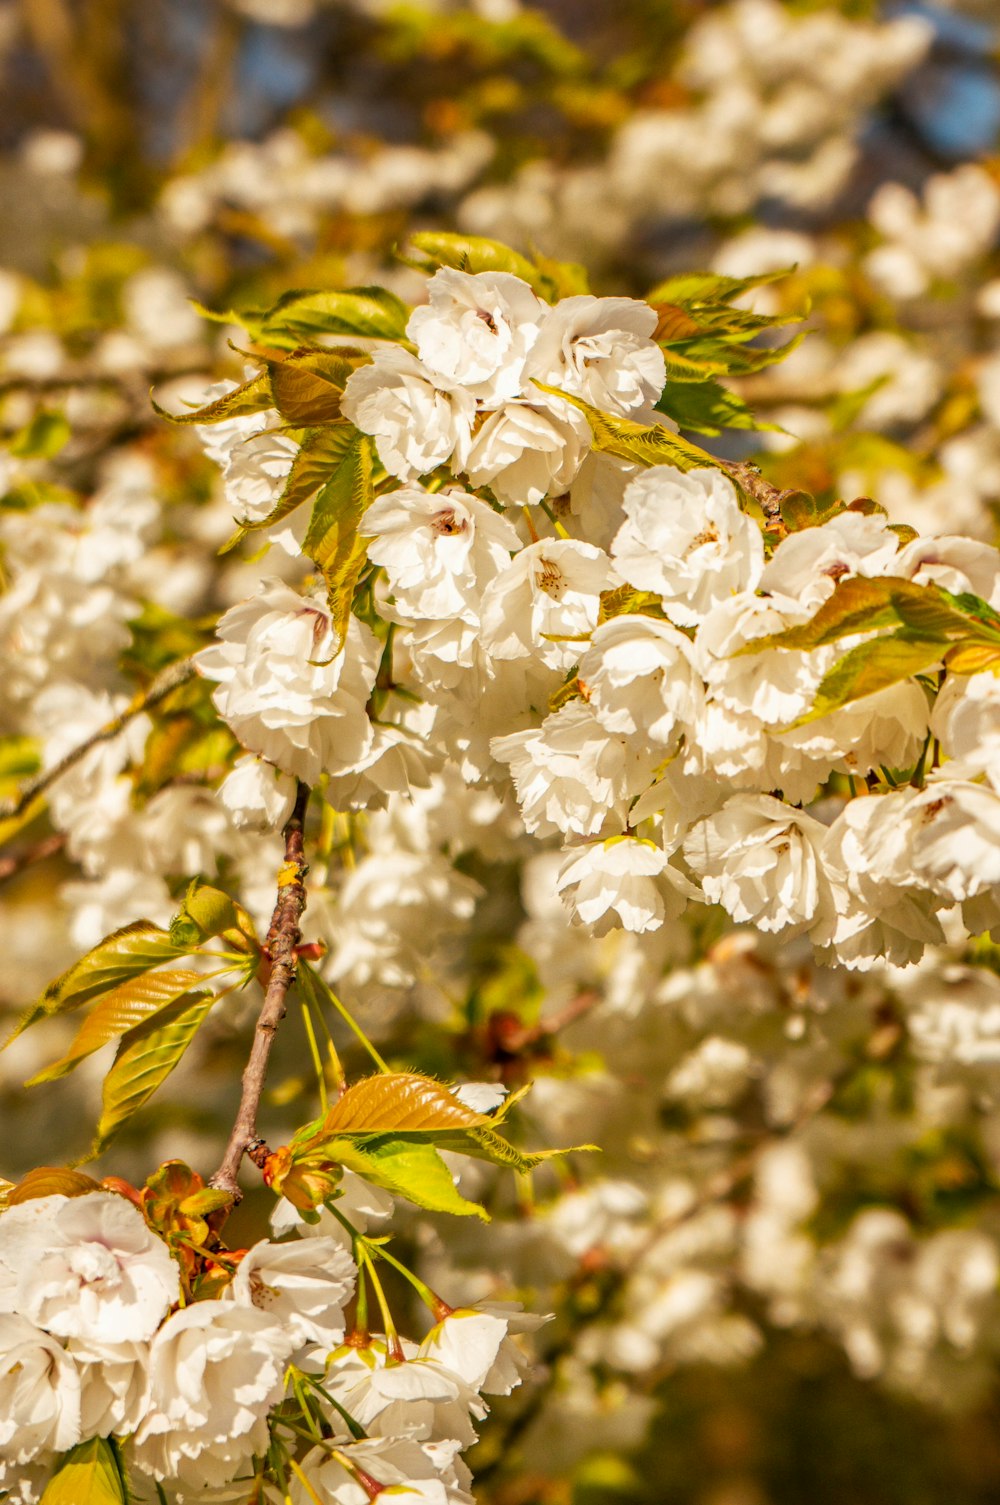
pixel 551 590
pixel 417 424
pixel 215 1370
pixel 621 882
pixel 526 450
pixel 686 539
pixel 257 796
pixel 600 349
pixel 303 1285
pixel 88 1267
pixel 760 859
pixel 476 331
pixel 39 1392
pixel 639 679
pixel 288 689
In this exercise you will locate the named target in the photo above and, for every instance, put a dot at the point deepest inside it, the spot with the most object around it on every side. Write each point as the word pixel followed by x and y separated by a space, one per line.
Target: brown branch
pixel 16 862
pixel 282 939
pixel 168 679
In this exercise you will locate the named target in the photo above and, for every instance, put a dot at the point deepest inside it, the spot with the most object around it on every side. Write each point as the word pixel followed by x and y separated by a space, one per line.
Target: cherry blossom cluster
pixel 100 1338
pixel 614 682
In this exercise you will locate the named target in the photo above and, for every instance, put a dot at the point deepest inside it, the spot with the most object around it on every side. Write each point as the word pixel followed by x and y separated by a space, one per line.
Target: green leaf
pixel 134 949
pixel 146 1057
pixel 707 407
pixel 42 438
pixel 320 453
pixel 308 385
pixel 413 1171
pixel 254 396
pixel 431 249
pixel 635 441
pixel 208 912
pixel 117 1013
pixel 88 1475
pixel 361 312
pixel 862 605
pixel 870 667
pixel 332 539
pixel 697 289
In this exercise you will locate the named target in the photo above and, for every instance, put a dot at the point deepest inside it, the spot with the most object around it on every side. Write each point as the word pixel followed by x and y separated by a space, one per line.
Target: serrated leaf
pixel 361 312
pixel 410 1170
pixel 308 385
pixel 707 407
pixel 399 1101
pixel 870 667
pixel 146 1057
pixel 88 1475
pixel 642 444
pixel 51 1181
pixel 860 604
pixel 332 539
pixel 708 287
pixel 431 249
pixel 254 396
pixel 117 1013
pixel 128 952
pixel 208 912
pixel 972 658
pixel 320 453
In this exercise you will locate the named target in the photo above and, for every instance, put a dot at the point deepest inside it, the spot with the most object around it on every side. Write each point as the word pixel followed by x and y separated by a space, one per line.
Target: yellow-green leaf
pixel 642 444
pixel 208 912
pixel 332 539
pixel 146 1057
pixel 361 312
pixel 320 453
pixel 88 1475
pixel 431 249
pixel 870 667
pixel 973 658
pixel 51 1181
pixel 308 385
pixel 254 396
pixel 410 1170
pixel 116 1013
pixel 128 952
pixel 399 1101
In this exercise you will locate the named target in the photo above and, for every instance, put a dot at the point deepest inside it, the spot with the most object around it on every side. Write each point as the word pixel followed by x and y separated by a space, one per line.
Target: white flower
pixel 439 549
pixel 953 832
pixel 215 1369
pixel 258 796
pixel 882 913
pixel 966 720
pixel 956 564
pixel 467 1342
pixel 400 1465
pixel 760 859
pixel 113 1379
pixel 39 1392
pixel 686 539
pixel 303 1285
pixel 416 425
pixel 255 474
pixel 289 691
pixel 476 331
pixel 806 566
pixel 525 451
pixel 416 1397
pixel 639 679
pixel 600 349
pixel 551 589
pixel 614 883
pixel 88 1267
pixel 572 775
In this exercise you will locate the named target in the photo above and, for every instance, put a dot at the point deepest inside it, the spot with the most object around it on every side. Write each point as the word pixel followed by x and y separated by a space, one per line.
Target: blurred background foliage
pixel 247 147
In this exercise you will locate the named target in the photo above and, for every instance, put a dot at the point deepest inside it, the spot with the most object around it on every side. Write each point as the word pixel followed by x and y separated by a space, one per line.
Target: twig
pixel 768 498
pixel 282 939
pixel 169 679
pixel 18 861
